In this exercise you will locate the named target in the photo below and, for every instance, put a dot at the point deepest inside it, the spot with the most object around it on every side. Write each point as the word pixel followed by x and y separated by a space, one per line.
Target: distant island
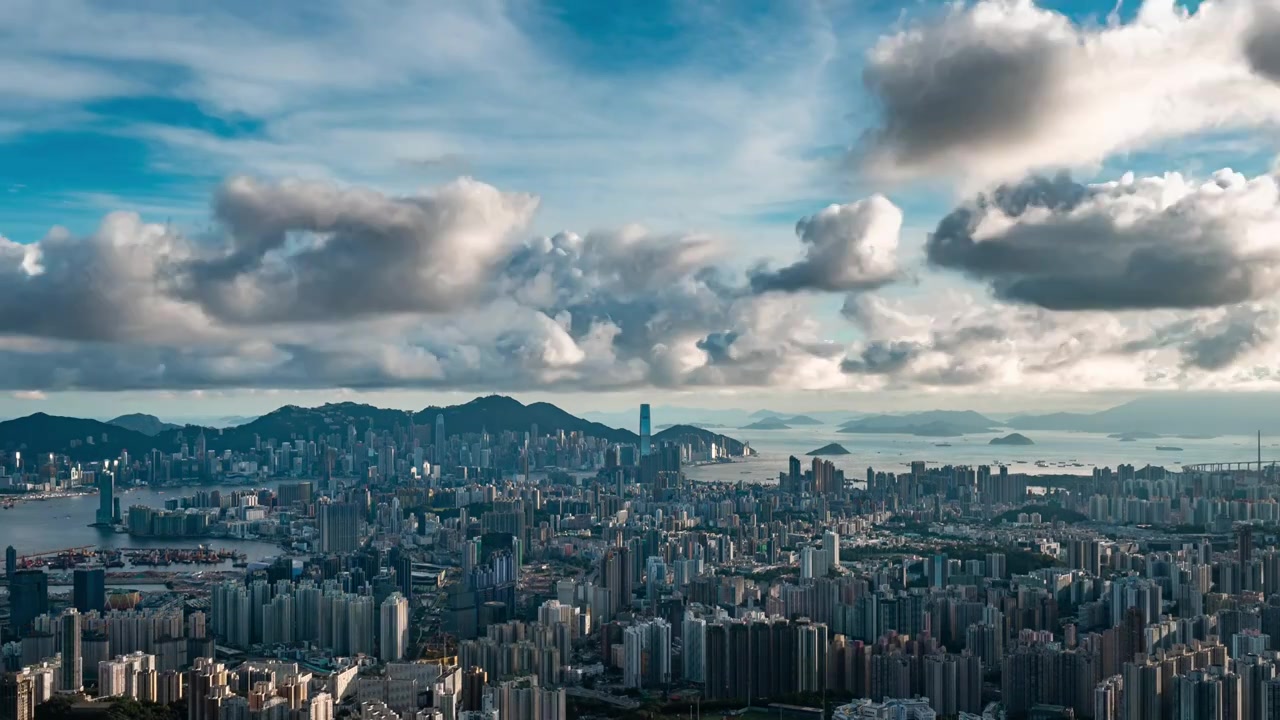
pixel 770 423
pixel 1169 448
pixel 1136 435
pixel 1012 439
pixel 832 449
pixel 935 423
pixel 933 429
pixel 801 420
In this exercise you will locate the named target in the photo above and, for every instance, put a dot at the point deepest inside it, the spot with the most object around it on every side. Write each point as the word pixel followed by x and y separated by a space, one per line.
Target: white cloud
pixel 847 247
pixel 1139 243
pixel 994 89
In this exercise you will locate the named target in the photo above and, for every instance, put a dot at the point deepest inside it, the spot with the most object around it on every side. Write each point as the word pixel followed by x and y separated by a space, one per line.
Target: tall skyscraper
pixel 106 514
pixel 89 589
pixel 10 562
pixel 72 668
pixel 28 597
pixel 645 442
pixel 394 628
pixel 441 445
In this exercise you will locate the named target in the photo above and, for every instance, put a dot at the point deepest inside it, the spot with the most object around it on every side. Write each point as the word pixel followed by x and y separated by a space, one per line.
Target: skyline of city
pixel 574 360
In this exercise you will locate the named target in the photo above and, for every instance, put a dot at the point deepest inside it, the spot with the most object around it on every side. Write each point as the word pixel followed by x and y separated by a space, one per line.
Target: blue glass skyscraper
pixel 645 443
pixel 106 498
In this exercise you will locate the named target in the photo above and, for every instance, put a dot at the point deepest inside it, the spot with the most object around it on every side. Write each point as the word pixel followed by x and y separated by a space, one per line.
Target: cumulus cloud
pixel 847 247
pixel 110 285
pixel 367 290
pixel 1157 242
pixel 1263 45
pixel 317 252
pixel 993 89
pixel 135 306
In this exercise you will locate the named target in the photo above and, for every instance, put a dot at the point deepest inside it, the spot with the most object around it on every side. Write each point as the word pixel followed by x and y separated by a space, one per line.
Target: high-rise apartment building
pixel 339 526
pixel 17 696
pixel 394 628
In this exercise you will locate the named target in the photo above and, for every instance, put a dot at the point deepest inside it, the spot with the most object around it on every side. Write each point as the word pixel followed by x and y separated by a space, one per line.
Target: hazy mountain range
pixel 1191 414
pixel 1168 414
pixel 95 440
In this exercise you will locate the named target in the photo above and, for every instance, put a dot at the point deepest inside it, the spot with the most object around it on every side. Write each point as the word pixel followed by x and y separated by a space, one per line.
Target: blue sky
pixel 729 120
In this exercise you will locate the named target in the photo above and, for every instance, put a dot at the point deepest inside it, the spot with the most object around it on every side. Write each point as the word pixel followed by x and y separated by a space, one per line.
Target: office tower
pixel 795 476
pixel 10 562
pixel 89 590
pixel 17 696
pixel 441 444
pixel 403 564
pixel 339 525
pixel 294 493
pixel 645 441
pixel 28 597
pixel 394 628
pixel 72 670
pixel 938 571
pixel 106 514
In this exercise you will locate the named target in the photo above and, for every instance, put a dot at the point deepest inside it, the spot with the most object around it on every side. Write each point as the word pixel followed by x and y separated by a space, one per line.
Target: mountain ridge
pixel 42 433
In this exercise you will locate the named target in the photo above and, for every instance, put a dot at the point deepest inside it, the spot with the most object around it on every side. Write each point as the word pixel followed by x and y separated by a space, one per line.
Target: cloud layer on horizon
pixel 310 285
pixel 307 284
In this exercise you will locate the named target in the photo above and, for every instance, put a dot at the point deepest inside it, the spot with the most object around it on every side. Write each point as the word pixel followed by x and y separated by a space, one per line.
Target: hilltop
pixel 1012 439
pixel 145 424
